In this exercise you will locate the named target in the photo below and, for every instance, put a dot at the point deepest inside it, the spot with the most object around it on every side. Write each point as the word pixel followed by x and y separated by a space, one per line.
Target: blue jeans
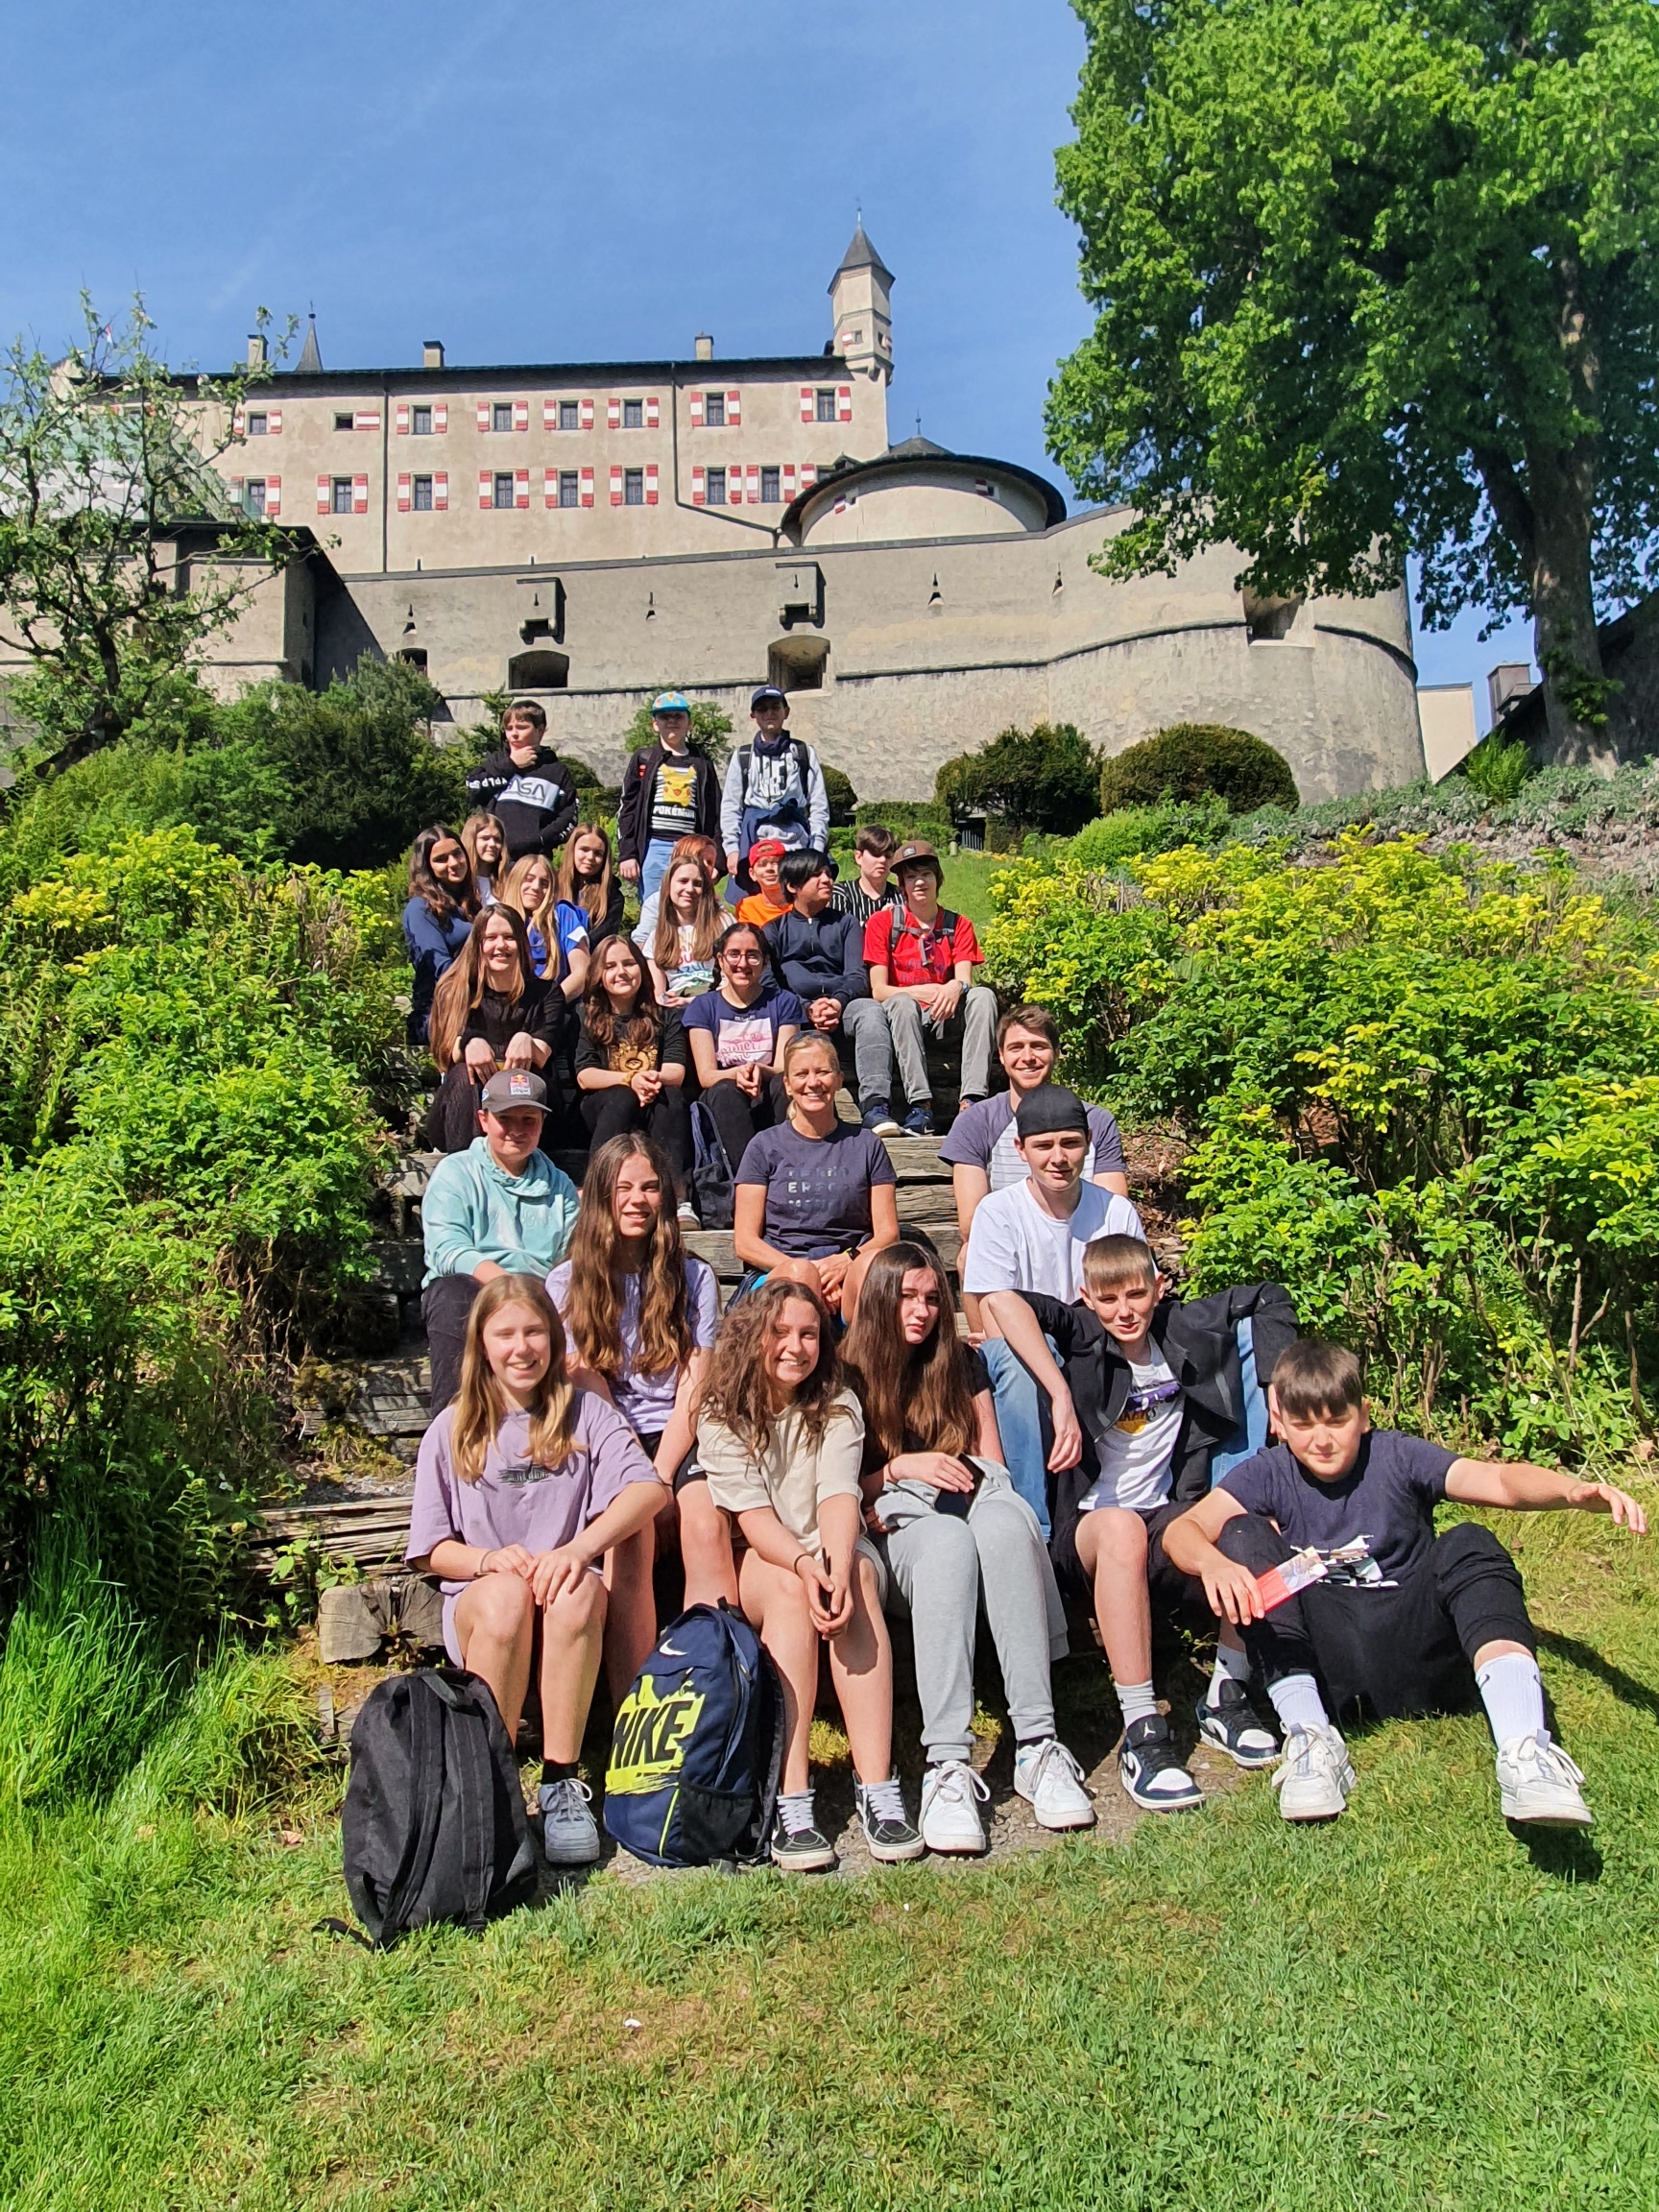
pixel 654 866
pixel 1022 1421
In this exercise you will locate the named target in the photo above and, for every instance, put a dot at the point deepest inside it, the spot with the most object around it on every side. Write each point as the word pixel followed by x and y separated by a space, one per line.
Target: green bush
pixel 843 799
pixel 1046 778
pixel 1193 759
pixel 907 818
pixel 710 728
pixel 1497 767
pixel 1111 839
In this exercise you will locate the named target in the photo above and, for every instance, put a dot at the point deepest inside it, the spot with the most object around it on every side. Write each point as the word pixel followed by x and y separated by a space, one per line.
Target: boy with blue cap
pixel 775 789
pixel 668 792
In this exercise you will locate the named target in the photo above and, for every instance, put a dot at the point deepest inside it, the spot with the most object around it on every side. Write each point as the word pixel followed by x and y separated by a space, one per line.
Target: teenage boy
pixel 768 898
pixel 774 785
pixel 1031 1236
pixel 819 956
pixel 525 784
pixel 922 959
pixel 1142 1394
pixel 668 792
pixel 869 888
pixel 499 1208
pixel 981 1148
pixel 1448 1619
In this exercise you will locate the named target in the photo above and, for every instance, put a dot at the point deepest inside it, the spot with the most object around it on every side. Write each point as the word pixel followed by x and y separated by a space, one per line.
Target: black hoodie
pixel 536 805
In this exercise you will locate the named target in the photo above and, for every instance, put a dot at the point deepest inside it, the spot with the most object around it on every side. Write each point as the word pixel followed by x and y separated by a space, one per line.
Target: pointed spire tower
pixel 861 295
pixel 310 361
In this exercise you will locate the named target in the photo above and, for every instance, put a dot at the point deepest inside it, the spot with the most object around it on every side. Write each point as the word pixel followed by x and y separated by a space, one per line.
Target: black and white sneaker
pixel 798 1845
pixel 886 1824
pixel 1233 1728
pixel 1150 1770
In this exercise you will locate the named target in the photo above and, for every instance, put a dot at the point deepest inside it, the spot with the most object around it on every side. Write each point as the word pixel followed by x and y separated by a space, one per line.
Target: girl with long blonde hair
pixel 522 1487
pixel 689 921
pixel 558 933
pixel 485 837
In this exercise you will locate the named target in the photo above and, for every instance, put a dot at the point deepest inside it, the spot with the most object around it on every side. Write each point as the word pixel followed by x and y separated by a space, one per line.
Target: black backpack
pixel 433 1825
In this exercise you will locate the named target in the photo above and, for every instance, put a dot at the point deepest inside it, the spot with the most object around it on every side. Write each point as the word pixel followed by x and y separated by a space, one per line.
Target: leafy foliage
pixel 1046 778
pixel 1193 760
pixel 907 818
pixel 1497 767
pixel 710 730
pixel 843 799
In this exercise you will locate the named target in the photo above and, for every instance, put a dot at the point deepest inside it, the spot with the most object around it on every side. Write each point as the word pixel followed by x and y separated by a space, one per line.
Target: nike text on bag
pixel 699 1745
pixel 433 1827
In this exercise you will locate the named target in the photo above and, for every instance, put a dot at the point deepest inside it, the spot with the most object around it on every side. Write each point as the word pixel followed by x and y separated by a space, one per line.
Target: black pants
pixel 1400 1652
pixel 739 1118
pixel 667 1122
pixel 445 1306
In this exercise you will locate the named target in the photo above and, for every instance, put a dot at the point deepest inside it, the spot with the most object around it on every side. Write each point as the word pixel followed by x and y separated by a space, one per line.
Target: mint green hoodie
pixel 474 1211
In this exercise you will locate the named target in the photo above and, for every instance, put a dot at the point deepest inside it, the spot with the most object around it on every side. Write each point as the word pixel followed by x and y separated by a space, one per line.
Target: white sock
pixel 1230 1666
pixel 1297 1701
pixel 1137 1700
pixel 1512 1692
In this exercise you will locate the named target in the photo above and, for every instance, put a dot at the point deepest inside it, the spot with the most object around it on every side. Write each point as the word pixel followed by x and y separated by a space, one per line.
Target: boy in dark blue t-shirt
pixel 1448 1616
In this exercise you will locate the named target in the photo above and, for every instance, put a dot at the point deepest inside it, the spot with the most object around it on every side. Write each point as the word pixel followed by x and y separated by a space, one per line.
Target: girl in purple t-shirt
pixel 522 1487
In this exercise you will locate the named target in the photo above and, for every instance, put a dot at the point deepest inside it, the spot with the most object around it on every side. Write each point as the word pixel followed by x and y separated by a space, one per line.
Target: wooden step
pixel 370 1531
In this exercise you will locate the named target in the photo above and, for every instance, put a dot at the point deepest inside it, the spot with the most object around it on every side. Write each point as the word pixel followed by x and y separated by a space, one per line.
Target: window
pixel 503 488
pixel 421 421
pixel 413 657
pixel 543 671
pixel 632 413
pixel 770 493
pixel 342 495
pixel 715 495
pixel 826 405
pixel 343 421
pixel 714 411
pixel 568 490
pixel 256 426
pixel 501 415
pixel 570 415
pixel 253 496
pixel 422 495
pixel 633 488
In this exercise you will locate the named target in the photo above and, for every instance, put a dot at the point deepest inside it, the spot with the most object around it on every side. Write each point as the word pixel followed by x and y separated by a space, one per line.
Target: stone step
pixel 717 1248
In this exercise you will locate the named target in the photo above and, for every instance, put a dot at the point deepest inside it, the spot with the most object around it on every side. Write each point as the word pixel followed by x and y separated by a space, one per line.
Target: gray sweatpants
pixel 974 1022
pixel 864 1027
pixel 938 1563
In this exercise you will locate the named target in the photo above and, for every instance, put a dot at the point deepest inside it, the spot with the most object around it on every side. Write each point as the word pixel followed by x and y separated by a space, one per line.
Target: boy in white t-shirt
pixel 1033 1237
pixel 1144 1394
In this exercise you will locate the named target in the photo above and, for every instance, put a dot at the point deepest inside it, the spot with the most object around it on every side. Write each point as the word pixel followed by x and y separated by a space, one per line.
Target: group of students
pixel 835 1447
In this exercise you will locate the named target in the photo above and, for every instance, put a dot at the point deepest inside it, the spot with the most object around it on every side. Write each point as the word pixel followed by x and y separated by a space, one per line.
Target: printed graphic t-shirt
pixel 674 800
pixel 817 1187
pixel 1389 1495
pixel 745 1036
pixel 1135 1454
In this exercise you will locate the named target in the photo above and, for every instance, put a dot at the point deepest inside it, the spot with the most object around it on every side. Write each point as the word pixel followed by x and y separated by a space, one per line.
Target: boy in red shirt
pixel 922 959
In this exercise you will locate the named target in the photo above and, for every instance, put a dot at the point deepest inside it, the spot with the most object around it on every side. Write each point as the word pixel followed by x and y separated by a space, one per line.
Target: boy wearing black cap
pixel 774 788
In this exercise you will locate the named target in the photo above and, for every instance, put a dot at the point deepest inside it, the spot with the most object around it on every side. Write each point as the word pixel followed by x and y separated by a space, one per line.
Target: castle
pixel 589 532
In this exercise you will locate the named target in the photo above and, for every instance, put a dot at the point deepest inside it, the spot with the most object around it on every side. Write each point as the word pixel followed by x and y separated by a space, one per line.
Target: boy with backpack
pixel 668 793
pixel 922 959
pixel 1421 1626
pixel 774 788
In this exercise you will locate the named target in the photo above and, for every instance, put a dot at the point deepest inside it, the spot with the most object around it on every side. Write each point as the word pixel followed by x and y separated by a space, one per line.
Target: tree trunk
pixel 1568 649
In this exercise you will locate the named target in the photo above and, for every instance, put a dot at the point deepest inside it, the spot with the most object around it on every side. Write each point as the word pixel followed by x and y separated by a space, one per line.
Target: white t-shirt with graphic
pixel 1136 1452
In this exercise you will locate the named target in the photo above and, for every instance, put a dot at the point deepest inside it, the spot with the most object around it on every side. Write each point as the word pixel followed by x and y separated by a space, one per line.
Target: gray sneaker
pixel 569 1832
pixel 886 1824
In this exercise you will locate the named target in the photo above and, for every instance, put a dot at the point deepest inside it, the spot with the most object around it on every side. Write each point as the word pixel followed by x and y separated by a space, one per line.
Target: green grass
pixel 968 884
pixel 1410 2007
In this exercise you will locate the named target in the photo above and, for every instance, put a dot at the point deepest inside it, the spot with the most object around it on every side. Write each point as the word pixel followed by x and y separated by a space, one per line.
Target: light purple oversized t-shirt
pixel 646 1400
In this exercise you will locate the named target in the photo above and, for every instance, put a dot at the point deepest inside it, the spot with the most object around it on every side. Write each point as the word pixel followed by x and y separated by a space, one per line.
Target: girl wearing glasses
pixel 738 1033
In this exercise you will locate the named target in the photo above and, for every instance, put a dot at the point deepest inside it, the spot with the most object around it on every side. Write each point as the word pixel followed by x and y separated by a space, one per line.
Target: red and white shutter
pixel 696 410
pixel 699 487
pixel 486 487
pixel 808 474
pixel 586 487
pixel 788 482
pixel 549 413
pixel 520 487
pixel 733 410
pixel 733 487
pixel 483 414
pixel 809 403
pixel 440 492
pixel 653 412
pixel 400 419
pixel 325 495
pixel 586 412
pixel 612 413
pixel 273 495
pixel 615 487
pixel 359 494
pixel 549 487
pixel 520 414
pixel 843 402
pixel 440 415
pixel 273 422
pixel 754 487
pixel 366 418
pixel 650 483
pixel 238 422
pixel 406 499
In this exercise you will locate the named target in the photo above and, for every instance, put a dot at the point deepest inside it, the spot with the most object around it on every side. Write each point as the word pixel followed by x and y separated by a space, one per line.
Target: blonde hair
pixel 482 1405
pixel 511 894
pixel 1111 1263
pixel 809 1041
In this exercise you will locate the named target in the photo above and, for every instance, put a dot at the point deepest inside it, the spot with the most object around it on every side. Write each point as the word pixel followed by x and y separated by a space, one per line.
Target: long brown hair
pixel 439 901
pixel 597 1277
pixel 592 892
pixel 462 985
pixel 925 1394
pixel 643 1025
pixel 469 829
pixel 706 928
pixel 482 1405
pixel 738 1390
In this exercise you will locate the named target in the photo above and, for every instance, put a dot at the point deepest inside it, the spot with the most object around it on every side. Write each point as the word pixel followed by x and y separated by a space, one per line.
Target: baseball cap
pixel 767 849
pixel 511 1087
pixel 1050 1107
pixel 918 849
pixel 764 694
pixel 670 703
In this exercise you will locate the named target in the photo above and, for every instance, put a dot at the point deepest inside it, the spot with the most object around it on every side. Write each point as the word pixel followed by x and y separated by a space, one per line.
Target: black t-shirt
pixel 668 1048
pixel 1389 1496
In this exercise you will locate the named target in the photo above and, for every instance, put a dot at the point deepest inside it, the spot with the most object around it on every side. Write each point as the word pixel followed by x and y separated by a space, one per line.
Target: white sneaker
pixel 687 1215
pixel 1047 1774
pixel 949 1817
pixel 1537 1781
pixel 1315 1777
pixel 569 1832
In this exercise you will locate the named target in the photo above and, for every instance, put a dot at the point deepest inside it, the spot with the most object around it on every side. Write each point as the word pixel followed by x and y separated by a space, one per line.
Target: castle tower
pixel 861 295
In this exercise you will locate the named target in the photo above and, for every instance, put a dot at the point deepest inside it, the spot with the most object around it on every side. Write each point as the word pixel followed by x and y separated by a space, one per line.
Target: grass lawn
pixel 1410 2007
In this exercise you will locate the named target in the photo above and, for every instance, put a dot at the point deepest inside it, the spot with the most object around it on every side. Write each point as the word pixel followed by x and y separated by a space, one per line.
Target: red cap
pixel 767 849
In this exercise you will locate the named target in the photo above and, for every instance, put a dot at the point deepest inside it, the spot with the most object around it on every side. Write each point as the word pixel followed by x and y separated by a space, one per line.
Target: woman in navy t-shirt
pixel 738 1033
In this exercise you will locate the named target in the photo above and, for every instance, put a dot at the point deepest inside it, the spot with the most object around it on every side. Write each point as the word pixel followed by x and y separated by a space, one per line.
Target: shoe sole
pixel 582 1857
pixel 1059 1827
pixel 962 1850
pixel 803 1862
pixel 1252 1762
pixel 895 1854
pixel 1150 1804
pixel 1546 1816
pixel 1326 1810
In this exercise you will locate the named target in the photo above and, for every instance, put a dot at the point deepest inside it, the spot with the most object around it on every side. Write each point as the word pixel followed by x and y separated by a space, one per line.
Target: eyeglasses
pixel 743 956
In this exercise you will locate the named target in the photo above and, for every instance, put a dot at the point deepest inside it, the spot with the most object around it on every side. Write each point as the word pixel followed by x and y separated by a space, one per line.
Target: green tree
pixel 102 455
pixel 1376 278
pixel 1190 759
pixel 710 730
pixel 1046 778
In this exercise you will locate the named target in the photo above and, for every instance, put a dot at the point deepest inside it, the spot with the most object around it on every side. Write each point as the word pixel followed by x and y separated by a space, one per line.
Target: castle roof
pixel 310 361
pixel 861 254
pixel 956 469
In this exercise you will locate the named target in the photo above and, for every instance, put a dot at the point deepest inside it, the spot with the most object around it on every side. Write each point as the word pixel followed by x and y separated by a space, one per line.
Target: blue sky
pixel 563 184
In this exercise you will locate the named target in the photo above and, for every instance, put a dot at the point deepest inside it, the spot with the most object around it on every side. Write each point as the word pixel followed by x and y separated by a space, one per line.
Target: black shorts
pixel 1167 1584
